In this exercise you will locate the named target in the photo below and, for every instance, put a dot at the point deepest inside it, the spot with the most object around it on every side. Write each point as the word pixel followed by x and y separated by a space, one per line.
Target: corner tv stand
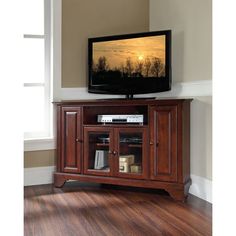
pixel 155 154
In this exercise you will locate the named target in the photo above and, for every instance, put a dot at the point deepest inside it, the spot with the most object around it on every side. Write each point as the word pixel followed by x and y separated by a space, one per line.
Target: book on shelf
pixel 101 159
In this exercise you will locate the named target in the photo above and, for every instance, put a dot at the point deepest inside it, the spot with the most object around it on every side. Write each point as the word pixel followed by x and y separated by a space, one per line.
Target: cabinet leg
pixel 177 195
pixel 180 194
pixel 59 181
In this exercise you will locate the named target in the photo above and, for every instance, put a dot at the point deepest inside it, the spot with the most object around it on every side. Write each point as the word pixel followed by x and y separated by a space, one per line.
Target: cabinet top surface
pixel 121 101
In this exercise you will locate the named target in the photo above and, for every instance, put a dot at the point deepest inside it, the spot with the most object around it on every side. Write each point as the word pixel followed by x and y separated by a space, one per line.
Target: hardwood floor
pixel 90 209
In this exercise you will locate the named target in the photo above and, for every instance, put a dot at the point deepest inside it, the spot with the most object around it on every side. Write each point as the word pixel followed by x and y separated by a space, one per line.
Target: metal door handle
pixel 151 143
pixel 112 152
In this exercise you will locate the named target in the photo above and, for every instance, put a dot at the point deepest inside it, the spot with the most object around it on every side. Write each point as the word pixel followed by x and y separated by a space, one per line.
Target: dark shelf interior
pixel 90 113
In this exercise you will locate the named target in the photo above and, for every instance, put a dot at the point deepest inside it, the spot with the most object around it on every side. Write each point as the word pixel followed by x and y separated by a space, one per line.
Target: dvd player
pixel 120 119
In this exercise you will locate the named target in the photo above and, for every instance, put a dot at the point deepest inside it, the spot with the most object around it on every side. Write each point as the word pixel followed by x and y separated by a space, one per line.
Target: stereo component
pixel 120 119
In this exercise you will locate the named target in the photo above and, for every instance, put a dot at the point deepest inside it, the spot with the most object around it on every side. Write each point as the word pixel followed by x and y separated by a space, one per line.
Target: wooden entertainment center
pixel 153 154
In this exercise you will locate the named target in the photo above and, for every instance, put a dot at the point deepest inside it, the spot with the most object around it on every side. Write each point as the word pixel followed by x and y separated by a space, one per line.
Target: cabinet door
pixel 71 151
pixel 98 144
pixel 163 143
pixel 130 152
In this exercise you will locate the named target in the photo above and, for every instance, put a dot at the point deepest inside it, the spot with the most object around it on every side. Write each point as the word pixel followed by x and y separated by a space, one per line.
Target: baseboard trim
pixel 38 175
pixel 201 187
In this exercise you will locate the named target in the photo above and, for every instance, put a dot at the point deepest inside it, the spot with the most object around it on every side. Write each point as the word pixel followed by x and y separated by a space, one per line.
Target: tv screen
pixel 130 64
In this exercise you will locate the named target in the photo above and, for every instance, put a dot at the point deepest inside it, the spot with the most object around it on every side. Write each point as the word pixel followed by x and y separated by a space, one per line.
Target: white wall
pixel 83 19
pixel 191 25
pixel 201 137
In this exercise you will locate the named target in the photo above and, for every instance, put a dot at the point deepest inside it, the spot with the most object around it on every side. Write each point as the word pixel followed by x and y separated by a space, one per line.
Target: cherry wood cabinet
pixel 155 154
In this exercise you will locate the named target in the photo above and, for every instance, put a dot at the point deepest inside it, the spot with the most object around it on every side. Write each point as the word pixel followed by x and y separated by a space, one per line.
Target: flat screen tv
pixel 130 64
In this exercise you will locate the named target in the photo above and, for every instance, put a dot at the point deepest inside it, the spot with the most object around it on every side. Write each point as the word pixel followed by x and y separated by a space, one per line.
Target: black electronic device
pixel 130 64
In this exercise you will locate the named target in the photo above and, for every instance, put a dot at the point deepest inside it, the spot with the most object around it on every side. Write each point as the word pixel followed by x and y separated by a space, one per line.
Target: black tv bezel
pixel 161 85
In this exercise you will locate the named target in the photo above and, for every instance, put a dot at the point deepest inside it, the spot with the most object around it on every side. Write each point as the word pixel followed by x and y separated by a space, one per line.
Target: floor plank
pixel 92 209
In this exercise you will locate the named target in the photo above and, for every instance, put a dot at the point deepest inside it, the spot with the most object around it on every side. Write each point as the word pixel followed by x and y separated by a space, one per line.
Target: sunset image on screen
pixel 140 57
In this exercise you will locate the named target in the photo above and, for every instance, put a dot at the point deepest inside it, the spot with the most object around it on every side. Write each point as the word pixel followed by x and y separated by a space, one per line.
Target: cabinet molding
pixel 70 139
pixel 163 119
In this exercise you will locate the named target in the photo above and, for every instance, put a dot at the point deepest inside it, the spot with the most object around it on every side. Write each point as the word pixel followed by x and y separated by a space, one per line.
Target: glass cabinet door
pixel 131 152
pixel 96 151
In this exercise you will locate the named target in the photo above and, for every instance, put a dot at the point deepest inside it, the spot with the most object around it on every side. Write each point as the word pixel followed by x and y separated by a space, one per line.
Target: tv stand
pixel 155 154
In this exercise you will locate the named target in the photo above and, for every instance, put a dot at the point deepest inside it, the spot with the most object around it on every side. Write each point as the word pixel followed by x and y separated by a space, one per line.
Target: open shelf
pixel 135 145
pixel 91 113
pixel 102 144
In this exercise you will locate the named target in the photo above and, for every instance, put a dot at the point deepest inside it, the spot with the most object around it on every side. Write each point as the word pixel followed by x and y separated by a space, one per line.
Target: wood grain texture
pixel 164 155
pixel 71 137
pixel 178 191
pixel 90 209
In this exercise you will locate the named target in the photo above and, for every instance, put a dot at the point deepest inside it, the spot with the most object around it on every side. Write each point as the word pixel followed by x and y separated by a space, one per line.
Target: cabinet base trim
pixel 176 190
pixel 201 187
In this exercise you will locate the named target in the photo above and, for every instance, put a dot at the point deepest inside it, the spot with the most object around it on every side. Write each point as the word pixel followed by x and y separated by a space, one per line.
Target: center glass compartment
pixel 115 151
